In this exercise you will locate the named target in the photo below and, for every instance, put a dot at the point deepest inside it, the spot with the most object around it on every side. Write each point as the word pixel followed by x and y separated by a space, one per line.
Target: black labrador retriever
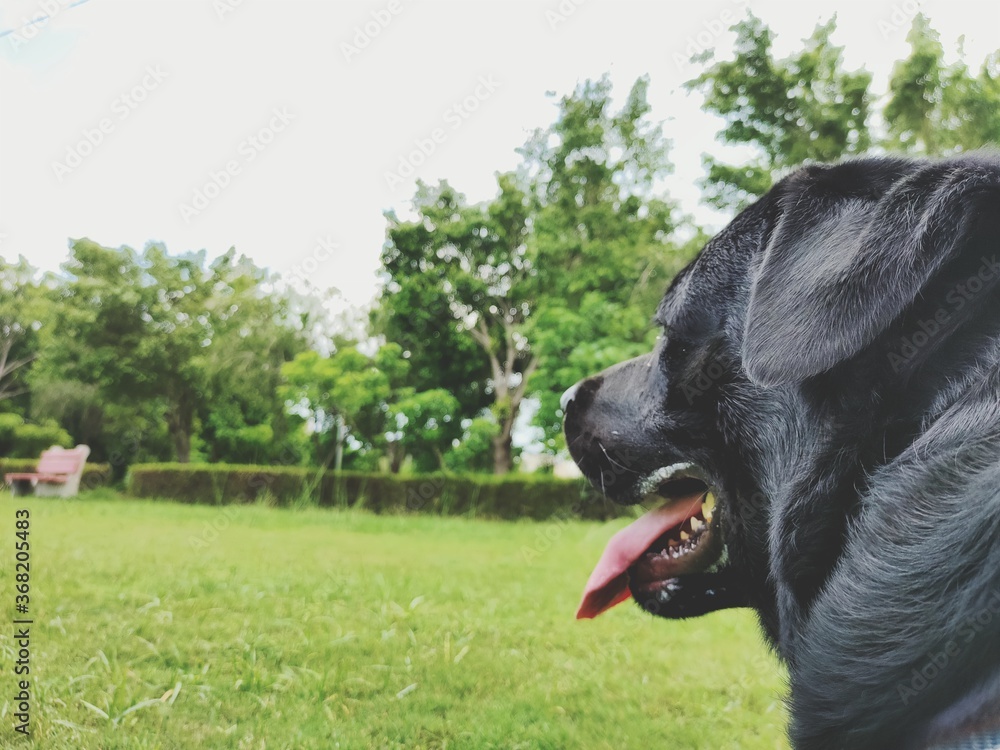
pixel 818 429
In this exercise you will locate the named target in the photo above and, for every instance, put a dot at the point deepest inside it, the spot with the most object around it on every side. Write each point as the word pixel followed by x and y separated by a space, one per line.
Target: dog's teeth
pixel 685 536
pixel 696 524
pixel 708 507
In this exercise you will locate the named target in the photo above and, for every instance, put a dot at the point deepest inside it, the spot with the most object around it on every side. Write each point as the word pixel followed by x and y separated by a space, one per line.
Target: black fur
pixel 832 361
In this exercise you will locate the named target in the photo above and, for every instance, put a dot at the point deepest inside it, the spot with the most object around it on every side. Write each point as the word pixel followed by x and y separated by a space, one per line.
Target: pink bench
pixel 58 473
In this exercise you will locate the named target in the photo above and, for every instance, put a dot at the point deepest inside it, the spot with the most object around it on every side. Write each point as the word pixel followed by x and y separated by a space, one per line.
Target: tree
pixel 939 108
pixel 242 416
pixel 119 433
pixel 22 307
pixel 149 328
pixel 577 230
pixel 440 356
pixel 798 109
pixel 467 266
pixel 602 241
pixel 310 383
pixel 344 398
pixel 133 325
pixel 474 451
pixel 426 425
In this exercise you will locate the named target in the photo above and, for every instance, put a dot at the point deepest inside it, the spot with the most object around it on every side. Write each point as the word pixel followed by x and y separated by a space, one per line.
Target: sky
pixel 286 129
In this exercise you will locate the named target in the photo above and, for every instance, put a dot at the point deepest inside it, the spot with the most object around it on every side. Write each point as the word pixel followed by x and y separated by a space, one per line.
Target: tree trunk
pixel 182 444
pixel 180 425
pixel 396 457
pixel 338 457
pixel 503 450
pixel 7 366
pixel 508 396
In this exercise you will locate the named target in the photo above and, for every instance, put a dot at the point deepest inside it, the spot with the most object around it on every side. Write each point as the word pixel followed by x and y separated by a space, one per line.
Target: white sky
pixel 210 79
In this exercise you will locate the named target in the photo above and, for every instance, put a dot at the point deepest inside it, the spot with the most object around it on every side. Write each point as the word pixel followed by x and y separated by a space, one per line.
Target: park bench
pixel 57 475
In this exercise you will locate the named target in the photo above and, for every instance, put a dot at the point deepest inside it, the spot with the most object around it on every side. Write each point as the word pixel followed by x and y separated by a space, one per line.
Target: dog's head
pixel 792 322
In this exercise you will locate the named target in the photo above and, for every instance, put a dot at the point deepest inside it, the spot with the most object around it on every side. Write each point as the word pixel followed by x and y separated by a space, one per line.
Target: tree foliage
pixel 484 307
pixel 602 241
pixel 357 409
pixel 807 108
pixel 341 397
pixel 937 107
pixel 22 307
pixel 197 343
pixel 802 108
pixel 426 427
pixel 474 450
pixel 555 275
pixel 470 265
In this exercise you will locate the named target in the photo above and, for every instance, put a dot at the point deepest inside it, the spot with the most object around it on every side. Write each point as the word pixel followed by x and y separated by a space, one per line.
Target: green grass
pixel 160 625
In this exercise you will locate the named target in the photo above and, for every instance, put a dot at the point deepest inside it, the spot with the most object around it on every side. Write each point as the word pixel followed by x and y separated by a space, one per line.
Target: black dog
pixel 830 370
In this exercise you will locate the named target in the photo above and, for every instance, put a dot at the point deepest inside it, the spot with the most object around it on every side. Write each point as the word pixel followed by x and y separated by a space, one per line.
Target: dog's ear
pixel 852 247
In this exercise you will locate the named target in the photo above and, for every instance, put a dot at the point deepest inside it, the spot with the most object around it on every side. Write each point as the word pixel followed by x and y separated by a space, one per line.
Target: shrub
pixel 19 439
pixel 506 497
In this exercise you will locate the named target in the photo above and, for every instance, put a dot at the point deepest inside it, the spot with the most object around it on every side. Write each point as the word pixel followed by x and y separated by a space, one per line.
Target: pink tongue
pixel 608 584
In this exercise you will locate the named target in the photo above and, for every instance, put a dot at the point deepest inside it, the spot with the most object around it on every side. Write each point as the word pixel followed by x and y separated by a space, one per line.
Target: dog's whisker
pixel 620 465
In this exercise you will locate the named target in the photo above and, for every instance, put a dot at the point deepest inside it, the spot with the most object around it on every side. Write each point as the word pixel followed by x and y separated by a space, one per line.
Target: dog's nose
pixel 568 396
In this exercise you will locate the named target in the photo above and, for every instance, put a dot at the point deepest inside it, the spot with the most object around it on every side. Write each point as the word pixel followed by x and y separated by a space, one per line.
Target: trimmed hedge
pixel 94 475
pixel 506 497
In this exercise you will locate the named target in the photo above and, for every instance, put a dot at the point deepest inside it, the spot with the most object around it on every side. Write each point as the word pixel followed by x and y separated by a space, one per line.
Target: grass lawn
pixel 159 625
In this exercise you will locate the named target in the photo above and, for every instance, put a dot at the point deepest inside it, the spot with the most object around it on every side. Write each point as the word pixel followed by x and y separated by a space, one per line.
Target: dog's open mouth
pixel 650 556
